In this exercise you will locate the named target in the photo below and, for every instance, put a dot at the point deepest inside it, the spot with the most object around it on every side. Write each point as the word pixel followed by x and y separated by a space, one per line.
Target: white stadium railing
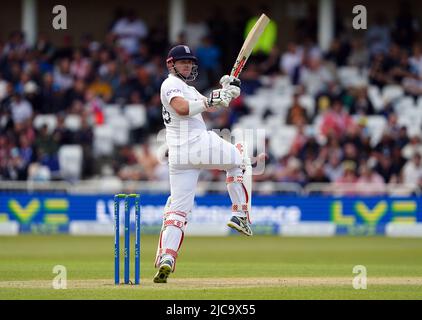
pixel 109 186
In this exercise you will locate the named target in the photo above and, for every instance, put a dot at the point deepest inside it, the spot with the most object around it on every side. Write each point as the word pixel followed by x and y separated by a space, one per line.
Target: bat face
pixel 238 66
pixel 249 44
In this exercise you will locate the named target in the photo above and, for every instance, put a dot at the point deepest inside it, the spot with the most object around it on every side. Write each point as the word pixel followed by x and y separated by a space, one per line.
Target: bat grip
pixel 236 82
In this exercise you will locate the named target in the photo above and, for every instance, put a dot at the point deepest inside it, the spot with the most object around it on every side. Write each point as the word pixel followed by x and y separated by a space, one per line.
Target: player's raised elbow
pixel 180 105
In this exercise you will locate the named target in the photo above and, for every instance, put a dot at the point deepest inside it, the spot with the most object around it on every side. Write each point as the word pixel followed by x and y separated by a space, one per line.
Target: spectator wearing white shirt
pixel 315 76
pixel 412 171
pixel 21 109
pixel 414 146
pixel 129 31
pixel 62 76
pixel 291 60
pixel 378 36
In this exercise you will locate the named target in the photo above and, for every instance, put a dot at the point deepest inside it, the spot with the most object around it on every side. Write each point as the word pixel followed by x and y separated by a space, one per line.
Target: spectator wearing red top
pixel 370 182
pixel 336 121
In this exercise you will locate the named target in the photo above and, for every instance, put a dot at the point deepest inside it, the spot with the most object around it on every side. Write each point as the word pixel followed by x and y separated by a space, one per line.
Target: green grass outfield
pixel 235 267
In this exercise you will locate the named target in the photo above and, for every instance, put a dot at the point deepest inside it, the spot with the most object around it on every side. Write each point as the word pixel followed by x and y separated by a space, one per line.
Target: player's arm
pixel 185 107
pixel 218 98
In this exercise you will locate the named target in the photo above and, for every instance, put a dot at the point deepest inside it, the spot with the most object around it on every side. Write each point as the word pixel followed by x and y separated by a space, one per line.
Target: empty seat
pixel 111 110
pixel 411 118
pixel 308 102
pixel 250 121
pixel 403 104
pixel 281 104
pixel 45 119
pixel 375 97
pixel 348 76
pixel 70 161
pixel 282 140
pixel 136 115
pixel 273 123
pixel 103 140
pixel 376 126
pixel 392 92
pixel 72 122
pixel 120 126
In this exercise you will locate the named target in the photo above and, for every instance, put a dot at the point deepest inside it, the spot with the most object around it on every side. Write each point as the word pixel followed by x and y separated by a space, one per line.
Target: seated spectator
pixel 127 166
pixel 123 89
pixel 270 66
pixel 297 114
pixel 299 141
pixel 46 148
pixel 111 75
pixel 346 184
pixel 397 164
pixel 250 79
pixel 317 173
pixel 77 92
pixel 38 172
pixel 148 161
pixel 369 181
pixel 15 166
pixel 63 134
pixel 62 76
pixel 393 128
pixel 338 53
pixel 25 150
pixel 412 171
pixel 351 153
pixel 378 36
pixel 291 60
pixel 403 70
pixel 209 56
pixel 314 76
pixel 292 172
pixel 402 138
pixel 414 146
pixel 385 146
pixel 333 169
pixel 101 89
pixel 51 96
pixel 359 55
pixel 129 30
pixel 325 98
pixel 384 168
pixel 336 120
pixel 80 66
pixel 21 109
pixel 361 104
pixel 378 75
pixel 416 60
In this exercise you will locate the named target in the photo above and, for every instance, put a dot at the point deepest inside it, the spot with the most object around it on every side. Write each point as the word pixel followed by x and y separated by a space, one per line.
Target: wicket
pixel 117 199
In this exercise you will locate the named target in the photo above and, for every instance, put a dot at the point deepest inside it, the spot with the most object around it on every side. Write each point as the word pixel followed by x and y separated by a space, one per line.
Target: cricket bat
pixel 249 44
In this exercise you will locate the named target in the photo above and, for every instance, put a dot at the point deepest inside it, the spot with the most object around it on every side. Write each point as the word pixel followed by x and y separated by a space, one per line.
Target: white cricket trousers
pixel 209 152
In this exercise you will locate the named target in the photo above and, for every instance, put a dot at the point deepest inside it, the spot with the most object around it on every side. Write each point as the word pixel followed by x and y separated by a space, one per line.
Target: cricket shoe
pixel 163 271
pixel 241 225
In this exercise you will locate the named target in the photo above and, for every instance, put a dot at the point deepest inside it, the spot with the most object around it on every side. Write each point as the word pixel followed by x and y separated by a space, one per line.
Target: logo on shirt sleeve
pixel 173 91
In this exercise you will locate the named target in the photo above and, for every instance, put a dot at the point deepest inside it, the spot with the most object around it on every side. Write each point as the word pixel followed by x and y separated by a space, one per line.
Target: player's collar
pixel 176 77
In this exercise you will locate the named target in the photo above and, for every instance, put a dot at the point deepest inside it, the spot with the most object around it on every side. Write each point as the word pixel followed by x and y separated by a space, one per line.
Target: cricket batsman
pixel 193 148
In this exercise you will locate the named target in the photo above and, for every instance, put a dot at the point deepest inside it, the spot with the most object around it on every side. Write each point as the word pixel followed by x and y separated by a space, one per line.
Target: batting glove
pixel 232 84
pixel 219 98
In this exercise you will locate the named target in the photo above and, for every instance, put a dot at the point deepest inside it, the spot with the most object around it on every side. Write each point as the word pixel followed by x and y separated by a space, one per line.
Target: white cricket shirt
pixel 180 129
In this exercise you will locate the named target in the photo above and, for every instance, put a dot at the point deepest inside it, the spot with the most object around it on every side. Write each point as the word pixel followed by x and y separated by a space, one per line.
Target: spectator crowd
pixel 128 67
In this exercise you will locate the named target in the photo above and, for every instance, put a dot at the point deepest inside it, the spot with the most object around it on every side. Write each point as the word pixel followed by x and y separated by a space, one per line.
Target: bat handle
pixel 236 82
